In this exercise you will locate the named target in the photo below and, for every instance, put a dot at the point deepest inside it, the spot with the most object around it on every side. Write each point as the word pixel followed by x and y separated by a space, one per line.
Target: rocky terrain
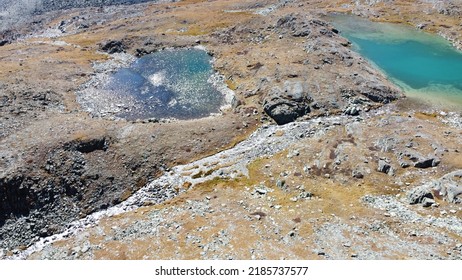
pixel 318 155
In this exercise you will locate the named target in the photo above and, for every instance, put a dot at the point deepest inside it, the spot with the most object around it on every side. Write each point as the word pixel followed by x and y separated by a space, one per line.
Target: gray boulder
pixel 427 162
pixel 378 92
pixel 417 195
pixel 384 166
pixel 287 104
pixel 419 160
pixel 352 111
pixel 449 187
pixel 357 174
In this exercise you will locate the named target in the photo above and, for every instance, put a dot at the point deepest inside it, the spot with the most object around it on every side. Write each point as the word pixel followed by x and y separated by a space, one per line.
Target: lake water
pixel 423 65
pixel 178 84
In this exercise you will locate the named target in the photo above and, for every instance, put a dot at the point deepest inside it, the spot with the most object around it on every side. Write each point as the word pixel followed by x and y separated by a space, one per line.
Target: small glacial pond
pixel 178 84
pixel 423 65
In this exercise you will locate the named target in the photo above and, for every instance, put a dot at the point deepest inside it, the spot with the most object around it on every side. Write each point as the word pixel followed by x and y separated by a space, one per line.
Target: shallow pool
pixel 178 84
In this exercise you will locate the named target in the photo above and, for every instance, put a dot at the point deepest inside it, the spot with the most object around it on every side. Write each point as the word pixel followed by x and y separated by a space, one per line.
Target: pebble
pixel 281 184
pixel 357 174
pixel 293 153
pixel 85 249
pixel 261 191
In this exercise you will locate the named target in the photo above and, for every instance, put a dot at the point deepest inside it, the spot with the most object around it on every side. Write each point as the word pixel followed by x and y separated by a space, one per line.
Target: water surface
pixel 422 64
pixel 178 84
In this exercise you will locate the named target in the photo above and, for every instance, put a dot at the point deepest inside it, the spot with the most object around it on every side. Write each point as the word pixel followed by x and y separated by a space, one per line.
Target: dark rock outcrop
pixel 113 46
pixel 384 166
pixel 378 92
pixel 417 195
pixel 419 161
pixel 288 104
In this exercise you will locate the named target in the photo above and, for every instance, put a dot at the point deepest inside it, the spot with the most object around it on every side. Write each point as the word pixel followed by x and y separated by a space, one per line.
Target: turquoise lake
pixel 425 66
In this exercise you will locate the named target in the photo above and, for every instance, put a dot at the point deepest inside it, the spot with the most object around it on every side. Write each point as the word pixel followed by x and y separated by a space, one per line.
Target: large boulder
pixel 378 92
pixel 419 160
pixel 287 104
pixel 449 187
pixel 418 195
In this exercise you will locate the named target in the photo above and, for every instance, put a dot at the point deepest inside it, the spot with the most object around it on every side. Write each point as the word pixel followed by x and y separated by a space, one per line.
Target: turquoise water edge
pixel 425 66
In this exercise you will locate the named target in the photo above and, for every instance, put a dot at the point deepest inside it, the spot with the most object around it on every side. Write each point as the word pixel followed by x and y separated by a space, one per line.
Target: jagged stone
pixel 384 166
pixel 427 162
pixel 419 160
pixel 113 46
pixel 417 195
pixel 357 174
pixel 449 187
